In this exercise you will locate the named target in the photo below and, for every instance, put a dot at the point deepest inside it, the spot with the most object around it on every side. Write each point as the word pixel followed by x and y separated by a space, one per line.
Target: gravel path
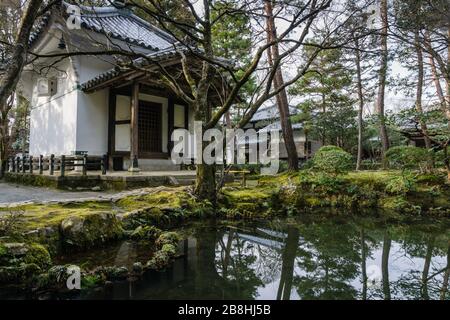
pixel 12 193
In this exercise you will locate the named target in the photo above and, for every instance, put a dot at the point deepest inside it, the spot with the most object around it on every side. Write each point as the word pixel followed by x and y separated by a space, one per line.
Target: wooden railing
pixel 63 163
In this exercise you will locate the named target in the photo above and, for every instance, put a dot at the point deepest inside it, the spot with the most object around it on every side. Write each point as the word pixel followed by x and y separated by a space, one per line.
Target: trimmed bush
pixel 332 159
pixel 407 157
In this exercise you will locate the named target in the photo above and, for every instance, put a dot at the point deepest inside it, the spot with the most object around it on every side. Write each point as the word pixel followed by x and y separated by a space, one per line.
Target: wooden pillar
pixel 23 163
pixel 111 127
pixel 104 163
pixel 170 130
pixel 52 164
pixel 41 164
pixel 31 164
pixel 134 152
pixel 62 166
pixel 85 160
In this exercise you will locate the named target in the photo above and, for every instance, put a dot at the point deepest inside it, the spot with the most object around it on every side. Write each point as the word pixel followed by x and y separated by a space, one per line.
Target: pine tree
pixel 327 90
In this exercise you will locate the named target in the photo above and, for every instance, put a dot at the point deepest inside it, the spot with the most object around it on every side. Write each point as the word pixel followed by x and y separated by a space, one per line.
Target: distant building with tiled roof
pixel 267 119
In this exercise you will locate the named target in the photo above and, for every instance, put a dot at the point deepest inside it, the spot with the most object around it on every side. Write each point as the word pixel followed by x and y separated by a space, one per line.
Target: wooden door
pixel 149 129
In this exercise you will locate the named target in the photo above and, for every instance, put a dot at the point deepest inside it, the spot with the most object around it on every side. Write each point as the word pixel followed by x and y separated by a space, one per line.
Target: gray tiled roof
pixel 276 126
pixel 117 23
pixel 158 56
pixel 110 74
pixel 39 28
pixel 124 25
pixel 270 113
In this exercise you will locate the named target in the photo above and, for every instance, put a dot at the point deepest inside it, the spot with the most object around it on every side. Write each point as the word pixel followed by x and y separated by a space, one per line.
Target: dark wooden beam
pixel 111 126
pixel 186 117
pixel 171 112
pixel 134 121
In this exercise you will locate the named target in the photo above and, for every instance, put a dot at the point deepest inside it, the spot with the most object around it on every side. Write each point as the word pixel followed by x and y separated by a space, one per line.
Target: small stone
pixel 32 233
pixel 108 283
pixel 173 181
pixel 137 268
pixel 16 249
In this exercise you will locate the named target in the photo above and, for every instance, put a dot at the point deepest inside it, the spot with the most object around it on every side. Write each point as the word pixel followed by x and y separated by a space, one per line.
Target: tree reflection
pixel 446 275
pixel 235 265
pixel 363 264
pixel 329 261
pixel 426 269
pixel 287 270
pixel 325 260
pixel 419 259
pixel 313 259
pixel 385 266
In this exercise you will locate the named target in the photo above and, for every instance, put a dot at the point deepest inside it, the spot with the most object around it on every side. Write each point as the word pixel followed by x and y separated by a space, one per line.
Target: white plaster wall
pixel 53 118
pixel 92 122
pixel 123 131
pixel 91 66
pixel 72 120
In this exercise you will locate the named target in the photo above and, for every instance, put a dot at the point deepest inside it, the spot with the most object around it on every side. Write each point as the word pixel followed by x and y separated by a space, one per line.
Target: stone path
pixel 14 193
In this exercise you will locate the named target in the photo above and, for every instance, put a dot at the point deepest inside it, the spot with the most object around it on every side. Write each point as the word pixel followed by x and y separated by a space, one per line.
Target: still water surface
pixel 291 259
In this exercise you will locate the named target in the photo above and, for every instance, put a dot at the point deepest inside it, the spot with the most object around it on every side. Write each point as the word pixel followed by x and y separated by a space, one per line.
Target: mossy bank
pixel 33 234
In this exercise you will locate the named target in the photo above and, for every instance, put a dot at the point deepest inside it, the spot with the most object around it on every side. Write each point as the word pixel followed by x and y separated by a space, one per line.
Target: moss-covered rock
pixel 144 217
pixel 168 238
pixel 49 236
pixel 20 262
pixel 111 273
pixel 146 233
pixel 160 260
pixel 393 191
pixel 167 244
pixel 87 231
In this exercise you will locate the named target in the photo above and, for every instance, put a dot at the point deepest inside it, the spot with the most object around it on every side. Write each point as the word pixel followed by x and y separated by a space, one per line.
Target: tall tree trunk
pixel 447 160
pixel 385 266
pixel 228 120
pixel 205 182
pixel 361 106
pixel 382 82
pixel 444 101
pixel 419 109
pixel 419 90
pixel 436 80
pixel 447 77
pixel 4 142
pixel 13 71
pixel 281 98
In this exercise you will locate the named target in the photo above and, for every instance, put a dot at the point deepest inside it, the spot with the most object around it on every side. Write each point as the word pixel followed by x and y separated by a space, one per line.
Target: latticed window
pixel 149 127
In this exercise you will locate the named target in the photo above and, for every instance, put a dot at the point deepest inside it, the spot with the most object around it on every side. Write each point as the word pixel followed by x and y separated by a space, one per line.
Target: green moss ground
pixel 272 195
pixel 80 225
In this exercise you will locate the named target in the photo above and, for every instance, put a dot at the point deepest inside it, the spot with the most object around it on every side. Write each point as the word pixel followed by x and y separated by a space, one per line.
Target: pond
pixel 325 258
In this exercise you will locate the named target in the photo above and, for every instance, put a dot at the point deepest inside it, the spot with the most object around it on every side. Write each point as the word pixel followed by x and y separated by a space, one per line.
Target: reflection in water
pixel 300 260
